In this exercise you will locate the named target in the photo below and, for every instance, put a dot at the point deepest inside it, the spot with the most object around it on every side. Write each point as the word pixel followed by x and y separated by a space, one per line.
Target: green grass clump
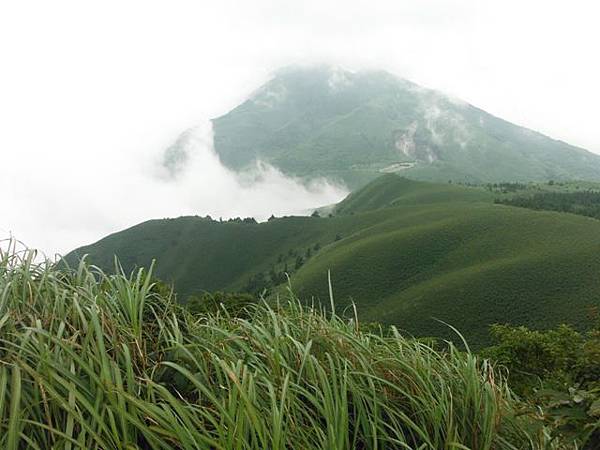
pixel 96 361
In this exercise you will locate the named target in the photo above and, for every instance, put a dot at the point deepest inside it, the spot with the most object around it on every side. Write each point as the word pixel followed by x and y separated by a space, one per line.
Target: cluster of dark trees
pixel 235 303
pixel 239 220
pixel 262 282
pixel 315 213
pixel 464 183
pixel 276 275
pixel 585 203
pixel 231 220
pixel 505 187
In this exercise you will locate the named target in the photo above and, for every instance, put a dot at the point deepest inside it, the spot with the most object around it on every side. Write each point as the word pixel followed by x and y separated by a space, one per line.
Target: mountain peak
pixel 326 120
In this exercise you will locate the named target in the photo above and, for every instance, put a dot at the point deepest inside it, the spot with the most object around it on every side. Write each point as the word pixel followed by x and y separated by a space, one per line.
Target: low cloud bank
pixel 110 194
pixel 204 185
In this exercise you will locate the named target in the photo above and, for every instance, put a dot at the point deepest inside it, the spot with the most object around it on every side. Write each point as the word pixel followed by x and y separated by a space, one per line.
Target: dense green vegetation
pixel 353 126
pixel 558 371
pixel 235 303
pixel 96 361
pixel 406 252
pixel 585 203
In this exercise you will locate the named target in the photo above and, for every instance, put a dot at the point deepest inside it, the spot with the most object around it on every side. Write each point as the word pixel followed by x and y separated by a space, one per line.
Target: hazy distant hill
pixel 354 125
pixel 405 251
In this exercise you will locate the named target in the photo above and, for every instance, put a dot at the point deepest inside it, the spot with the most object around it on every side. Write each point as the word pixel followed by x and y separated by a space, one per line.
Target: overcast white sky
pixel 91 92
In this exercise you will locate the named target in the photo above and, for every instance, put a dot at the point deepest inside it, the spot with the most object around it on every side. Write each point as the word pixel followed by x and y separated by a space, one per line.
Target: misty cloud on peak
pixel 192 169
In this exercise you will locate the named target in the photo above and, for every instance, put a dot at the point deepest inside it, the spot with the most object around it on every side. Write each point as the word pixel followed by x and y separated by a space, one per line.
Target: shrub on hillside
pixel 558 371
pixel 235 304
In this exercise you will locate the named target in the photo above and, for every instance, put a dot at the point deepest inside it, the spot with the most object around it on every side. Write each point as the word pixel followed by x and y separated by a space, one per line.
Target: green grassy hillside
pixel 468 265
pixel 352 126
pixel 392 190
pixel 198 253
pixel 201 254
pixel 406 252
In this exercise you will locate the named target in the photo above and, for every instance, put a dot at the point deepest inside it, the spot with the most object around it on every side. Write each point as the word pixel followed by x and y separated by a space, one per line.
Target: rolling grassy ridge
pixel 392 190
pixel 470 266
pixel 199 254
pixel 202 254
pixel 407 252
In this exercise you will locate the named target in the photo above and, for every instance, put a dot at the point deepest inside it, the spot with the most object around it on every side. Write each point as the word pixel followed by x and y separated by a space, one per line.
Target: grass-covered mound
pixel 96 361
pixel 468 265
pixel 392 190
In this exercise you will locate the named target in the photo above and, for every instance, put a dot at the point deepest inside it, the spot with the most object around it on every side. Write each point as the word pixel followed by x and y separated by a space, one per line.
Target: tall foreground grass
pixel 96 361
